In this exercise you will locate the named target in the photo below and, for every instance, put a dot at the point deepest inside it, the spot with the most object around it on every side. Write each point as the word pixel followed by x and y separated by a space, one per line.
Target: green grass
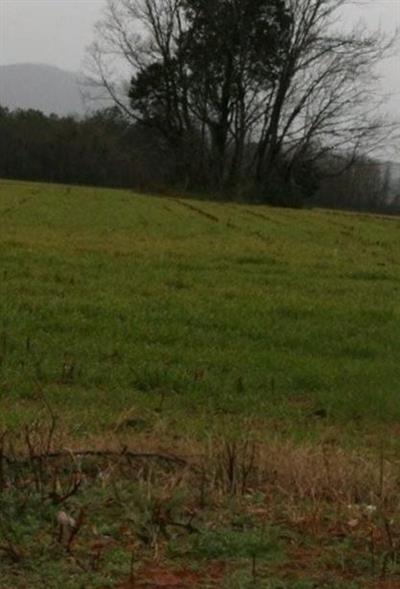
pixel 171 319
pixel 251 556
pixel 111 300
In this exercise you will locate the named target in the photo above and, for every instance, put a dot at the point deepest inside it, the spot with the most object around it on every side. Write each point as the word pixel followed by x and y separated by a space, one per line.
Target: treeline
pixel 97 150
pixel 365 185
pixel 103 150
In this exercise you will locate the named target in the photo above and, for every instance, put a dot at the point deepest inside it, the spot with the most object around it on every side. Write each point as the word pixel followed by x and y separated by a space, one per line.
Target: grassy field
pixel 200 329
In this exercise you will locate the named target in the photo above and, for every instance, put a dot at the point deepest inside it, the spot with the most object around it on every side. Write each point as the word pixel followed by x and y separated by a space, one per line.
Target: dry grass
pixel 338 510
pixel 301 472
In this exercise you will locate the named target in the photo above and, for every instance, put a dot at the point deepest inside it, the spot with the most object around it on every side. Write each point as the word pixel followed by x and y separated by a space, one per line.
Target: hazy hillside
pixel 43 87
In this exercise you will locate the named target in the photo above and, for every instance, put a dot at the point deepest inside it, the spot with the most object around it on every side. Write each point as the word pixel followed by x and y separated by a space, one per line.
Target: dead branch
pixel 82 453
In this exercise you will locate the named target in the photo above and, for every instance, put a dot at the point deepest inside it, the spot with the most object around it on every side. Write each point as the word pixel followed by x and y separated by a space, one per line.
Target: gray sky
pixel 57 32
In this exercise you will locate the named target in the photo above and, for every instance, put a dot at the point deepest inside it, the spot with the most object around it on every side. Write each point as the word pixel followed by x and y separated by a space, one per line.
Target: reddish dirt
pixel 304 563
pixel 161 577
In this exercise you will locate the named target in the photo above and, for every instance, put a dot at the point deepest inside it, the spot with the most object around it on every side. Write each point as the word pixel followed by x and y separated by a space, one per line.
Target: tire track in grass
pixel 228 223
pixel 197 210
pixel 259 215
pixel 17 205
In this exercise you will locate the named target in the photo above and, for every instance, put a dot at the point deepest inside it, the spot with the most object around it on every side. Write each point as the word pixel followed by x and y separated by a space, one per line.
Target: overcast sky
pixel 57 32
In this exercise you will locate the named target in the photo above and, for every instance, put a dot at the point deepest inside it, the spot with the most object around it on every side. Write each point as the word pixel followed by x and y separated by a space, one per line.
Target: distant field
pixel 109 300
pixel 201 328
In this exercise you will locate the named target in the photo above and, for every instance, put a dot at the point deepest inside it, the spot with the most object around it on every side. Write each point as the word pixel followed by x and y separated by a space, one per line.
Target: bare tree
pixel 327 96
pixel 366 185
pixel 257 89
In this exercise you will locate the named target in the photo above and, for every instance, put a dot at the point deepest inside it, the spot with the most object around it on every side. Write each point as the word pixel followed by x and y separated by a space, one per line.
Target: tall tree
pixel 249 90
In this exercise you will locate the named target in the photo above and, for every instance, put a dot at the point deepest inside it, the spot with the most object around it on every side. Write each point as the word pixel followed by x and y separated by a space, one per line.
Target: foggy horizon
pixel 40 31
pixel 57 33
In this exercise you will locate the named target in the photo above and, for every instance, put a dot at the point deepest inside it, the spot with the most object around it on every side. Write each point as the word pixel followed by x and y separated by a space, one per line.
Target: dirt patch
pixel 163 577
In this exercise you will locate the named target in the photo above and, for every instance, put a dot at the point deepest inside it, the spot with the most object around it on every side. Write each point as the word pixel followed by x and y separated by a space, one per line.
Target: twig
pixel 12 551
pixel 132 578
pixel 2 478
pixel 53 424
pixel 75 529
pixel 59 499
pixel 96 453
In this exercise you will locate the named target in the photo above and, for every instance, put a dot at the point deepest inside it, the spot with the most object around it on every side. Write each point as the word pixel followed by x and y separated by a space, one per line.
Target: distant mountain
pixel 41 87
